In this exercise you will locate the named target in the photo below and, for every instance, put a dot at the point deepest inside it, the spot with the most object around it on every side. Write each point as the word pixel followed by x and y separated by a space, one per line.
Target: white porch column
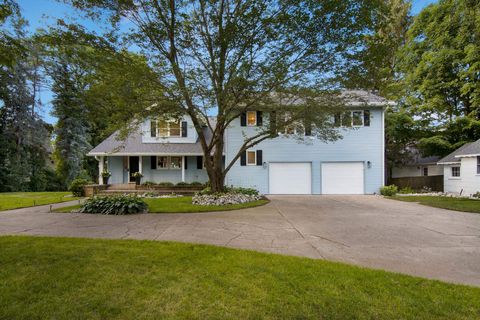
pixel 140 165
pixel 183 169
pixel 100 169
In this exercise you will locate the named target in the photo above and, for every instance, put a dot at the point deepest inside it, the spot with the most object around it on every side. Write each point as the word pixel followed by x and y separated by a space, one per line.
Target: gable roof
pixel 468 149
pixel 364 97
pixel 132 145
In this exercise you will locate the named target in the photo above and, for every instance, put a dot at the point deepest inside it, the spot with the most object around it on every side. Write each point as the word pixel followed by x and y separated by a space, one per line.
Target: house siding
pixel 361 144
pixel 469 181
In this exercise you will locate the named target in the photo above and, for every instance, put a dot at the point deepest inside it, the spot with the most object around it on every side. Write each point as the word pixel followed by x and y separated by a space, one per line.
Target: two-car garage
pixel 335 178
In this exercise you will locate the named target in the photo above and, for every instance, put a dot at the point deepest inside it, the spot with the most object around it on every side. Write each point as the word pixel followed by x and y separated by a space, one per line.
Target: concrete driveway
pixel 363 230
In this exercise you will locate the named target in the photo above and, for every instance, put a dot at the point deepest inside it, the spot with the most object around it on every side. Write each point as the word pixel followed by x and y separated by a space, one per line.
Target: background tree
pixel 24 137
pixel 440 65
pixel 374 67
pixel 225 57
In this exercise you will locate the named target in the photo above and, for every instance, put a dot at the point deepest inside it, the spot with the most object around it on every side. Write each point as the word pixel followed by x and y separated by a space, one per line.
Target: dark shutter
pixel 308 128
pixel 185 160
pixel 337 122
pixel 273 123
pixel 153 162
pixel 259 158
pixel 366 118
pixel 243 158
pixel 153 128
pixel 243 119
pixel 259 118
pixel 199 162
pixel 184 129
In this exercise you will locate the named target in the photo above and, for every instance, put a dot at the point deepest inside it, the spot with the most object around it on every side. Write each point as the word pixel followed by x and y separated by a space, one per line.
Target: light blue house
pixel 170 152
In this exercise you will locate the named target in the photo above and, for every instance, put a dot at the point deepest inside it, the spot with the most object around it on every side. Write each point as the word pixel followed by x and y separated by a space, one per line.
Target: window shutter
pixel 153 162
pixel 259 118
pixel 243 158
pixel 259 158
pixel 366 118
pixel 243 119
pixel 273 123
pixel 337 119
pixel 199 162
pixel 184 129
pixel 153 128
pixel 185 162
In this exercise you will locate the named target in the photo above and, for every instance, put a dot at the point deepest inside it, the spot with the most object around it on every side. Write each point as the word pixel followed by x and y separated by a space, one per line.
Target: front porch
pixel 154 168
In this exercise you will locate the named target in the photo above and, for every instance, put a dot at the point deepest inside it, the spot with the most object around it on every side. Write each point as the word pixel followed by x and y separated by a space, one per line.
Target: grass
pixel 458 204
pixel 14 200
pixel 180 205
pixel 61 278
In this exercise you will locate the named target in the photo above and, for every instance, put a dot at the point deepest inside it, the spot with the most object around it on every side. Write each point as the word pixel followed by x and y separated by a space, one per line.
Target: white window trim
pixel 459 172
pixel 169 163
pixel 255 113
pixel 255 153
pixel 169 135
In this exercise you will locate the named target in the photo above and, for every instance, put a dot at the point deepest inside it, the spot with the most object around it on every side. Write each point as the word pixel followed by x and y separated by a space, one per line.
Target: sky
pixel 41 13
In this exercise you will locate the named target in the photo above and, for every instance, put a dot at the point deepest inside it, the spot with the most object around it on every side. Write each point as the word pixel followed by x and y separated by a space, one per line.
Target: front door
pixel 133 167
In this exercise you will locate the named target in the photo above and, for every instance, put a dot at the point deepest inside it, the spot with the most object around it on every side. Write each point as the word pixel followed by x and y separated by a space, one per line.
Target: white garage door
pixel 342 178
pixel 290 178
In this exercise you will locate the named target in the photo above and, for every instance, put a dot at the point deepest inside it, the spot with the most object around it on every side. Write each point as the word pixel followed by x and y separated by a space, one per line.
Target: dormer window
pixel 168 128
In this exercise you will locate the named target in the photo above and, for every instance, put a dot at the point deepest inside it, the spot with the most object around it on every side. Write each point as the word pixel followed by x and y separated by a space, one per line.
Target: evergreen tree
pixel 71 130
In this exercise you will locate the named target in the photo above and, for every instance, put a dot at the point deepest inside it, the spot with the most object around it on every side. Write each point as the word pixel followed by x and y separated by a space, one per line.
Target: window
pixel 251 158
pixel 425 171
pixel 251 118
pixel 455 171
pixel 357 118
pixel 175 162
pixel 167 128
pixel 162 162
pixel 349 119
pixel 478 165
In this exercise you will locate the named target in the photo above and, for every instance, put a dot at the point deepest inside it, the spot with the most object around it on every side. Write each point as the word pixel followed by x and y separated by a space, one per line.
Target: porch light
pixel 369 164
pixel 264 165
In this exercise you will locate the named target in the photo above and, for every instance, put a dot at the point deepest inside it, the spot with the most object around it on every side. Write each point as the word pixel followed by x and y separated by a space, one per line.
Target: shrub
pixel 204 191
pixel 476 194
pixel 115 205
pixel 149 183
pixel 247 191
pixel 389 191
pixel 166 184
pixel 196 184
pixel 183 184
pixel 406 190
pixel 76 187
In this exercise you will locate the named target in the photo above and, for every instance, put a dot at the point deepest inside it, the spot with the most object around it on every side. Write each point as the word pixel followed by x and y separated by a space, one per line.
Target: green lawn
pixel 459 204
pixel 61 278
pixel 180 205
pixel 13 200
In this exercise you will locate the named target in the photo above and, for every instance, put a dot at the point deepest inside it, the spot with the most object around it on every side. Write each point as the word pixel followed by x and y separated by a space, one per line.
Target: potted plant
pixel 105 175
pixel 138 177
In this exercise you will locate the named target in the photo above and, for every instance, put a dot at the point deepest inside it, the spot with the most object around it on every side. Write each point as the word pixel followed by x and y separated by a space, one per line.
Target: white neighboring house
pixel 418 167
pixel 462 169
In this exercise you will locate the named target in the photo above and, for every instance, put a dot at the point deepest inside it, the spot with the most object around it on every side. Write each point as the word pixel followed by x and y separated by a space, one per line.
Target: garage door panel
pixel 343 178
pixel 290 178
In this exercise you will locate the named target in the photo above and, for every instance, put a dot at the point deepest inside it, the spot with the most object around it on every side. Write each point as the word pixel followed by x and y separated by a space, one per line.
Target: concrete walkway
pixel 363 230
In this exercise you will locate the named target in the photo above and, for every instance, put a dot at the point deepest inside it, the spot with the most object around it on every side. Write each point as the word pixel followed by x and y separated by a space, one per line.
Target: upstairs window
pixel 251 118
pixel 455 171
pixel 355 118
pixel 165 128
